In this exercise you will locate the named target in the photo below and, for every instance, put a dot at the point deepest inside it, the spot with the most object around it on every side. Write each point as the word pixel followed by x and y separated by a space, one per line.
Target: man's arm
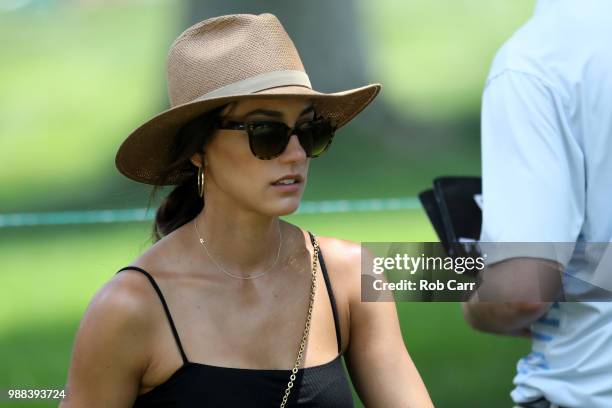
pixel 533 192
pixel 508 318
pixel 513 294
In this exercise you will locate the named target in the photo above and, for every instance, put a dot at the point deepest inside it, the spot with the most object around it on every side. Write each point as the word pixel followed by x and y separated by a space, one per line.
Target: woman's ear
pixel 197 159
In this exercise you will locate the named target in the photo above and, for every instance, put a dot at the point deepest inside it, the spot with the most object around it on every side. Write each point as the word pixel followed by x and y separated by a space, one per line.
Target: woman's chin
pixel 285 206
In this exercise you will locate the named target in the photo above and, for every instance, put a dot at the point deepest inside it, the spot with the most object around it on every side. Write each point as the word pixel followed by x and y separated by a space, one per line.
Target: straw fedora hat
pixel 218 61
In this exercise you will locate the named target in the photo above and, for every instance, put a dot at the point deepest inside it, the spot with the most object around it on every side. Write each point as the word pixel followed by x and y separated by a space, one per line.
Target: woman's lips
pixel 292 187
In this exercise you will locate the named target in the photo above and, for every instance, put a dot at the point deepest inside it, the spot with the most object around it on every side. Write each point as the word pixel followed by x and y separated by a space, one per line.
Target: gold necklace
pixel 203 242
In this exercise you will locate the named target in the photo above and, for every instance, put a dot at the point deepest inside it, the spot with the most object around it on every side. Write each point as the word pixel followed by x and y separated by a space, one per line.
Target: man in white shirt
pixel 547 177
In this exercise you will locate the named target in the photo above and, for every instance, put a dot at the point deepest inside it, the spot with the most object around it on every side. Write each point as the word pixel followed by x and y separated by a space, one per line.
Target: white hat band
pixel 259 83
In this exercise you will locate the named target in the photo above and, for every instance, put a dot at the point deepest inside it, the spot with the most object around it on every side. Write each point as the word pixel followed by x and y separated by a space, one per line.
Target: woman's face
pixel 235 177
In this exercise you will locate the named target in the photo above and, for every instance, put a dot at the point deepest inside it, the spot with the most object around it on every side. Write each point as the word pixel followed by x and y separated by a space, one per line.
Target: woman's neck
pixel 242 242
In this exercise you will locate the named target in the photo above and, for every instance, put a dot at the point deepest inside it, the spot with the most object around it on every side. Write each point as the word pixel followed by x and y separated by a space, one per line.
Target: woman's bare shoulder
pixel 111 350
pixel 343 262
pixel 126 303
pixel 124 300
pixel 341 252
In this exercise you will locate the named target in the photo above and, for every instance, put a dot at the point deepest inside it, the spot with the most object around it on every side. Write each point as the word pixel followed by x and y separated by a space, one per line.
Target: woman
pixel 223 310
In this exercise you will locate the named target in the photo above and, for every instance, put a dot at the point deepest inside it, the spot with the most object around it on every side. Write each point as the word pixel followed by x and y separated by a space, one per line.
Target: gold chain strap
pixel 315 262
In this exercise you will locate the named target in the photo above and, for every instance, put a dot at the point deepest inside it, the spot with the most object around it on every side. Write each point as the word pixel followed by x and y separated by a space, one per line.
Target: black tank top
pixel 202 385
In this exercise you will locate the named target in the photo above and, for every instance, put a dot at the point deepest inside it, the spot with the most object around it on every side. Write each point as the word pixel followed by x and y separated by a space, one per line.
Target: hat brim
pixel 149 148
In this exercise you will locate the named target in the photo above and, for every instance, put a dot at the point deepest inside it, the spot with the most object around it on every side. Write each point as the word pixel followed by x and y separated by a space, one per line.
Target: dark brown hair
pixel 183 203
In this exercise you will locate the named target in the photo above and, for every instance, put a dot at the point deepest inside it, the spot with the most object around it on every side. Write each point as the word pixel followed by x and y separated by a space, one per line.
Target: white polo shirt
pixel 547 177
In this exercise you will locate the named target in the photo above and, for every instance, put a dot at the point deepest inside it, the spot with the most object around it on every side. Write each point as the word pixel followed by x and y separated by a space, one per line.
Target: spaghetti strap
pixel 164 304
pixel 330 292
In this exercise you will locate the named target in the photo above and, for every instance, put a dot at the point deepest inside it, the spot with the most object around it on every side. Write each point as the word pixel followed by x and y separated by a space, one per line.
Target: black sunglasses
pixel 268 139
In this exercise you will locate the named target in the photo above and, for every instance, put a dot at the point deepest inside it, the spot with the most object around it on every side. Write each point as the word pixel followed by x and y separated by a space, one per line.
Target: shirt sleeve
pixel 532 167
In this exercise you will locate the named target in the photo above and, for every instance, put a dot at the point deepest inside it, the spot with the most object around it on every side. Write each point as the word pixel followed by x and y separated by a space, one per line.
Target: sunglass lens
pixel 316 136
pixel 268 139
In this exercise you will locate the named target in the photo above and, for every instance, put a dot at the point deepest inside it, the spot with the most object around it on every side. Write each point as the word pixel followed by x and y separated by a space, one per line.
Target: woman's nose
pixel 294 150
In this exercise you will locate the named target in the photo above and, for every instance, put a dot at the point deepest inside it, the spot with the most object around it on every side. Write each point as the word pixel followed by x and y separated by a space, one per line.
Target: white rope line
pixel 141 214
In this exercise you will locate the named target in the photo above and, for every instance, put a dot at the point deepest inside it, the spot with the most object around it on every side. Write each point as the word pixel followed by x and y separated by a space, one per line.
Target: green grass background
pixel 75 80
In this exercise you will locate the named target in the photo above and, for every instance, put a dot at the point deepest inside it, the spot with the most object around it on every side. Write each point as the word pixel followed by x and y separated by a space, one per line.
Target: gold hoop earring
pixel 200 181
